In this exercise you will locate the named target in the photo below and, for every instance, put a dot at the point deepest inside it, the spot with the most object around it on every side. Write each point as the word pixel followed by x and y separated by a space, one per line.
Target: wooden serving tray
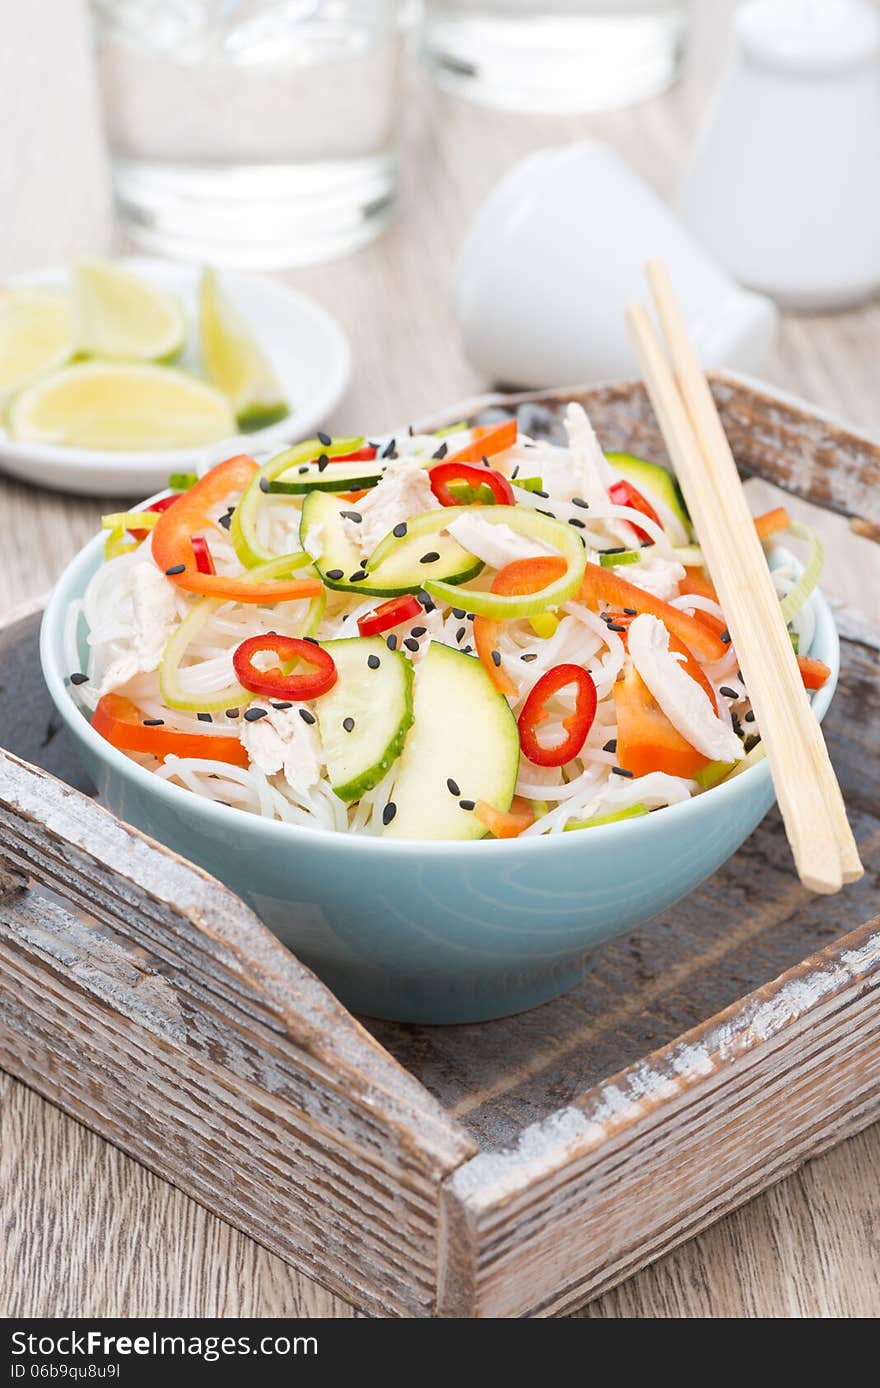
pixel 517 1167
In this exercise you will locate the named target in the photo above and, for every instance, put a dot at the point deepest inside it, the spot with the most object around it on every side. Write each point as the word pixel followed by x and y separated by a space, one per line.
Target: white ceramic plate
pixel 307 348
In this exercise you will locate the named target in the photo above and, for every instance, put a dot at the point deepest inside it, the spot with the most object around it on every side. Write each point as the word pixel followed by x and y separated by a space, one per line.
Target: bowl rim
pixel 726 793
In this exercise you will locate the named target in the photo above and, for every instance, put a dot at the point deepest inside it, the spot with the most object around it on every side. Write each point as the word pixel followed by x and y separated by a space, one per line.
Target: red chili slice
pixel 204 562
pixel 390 614
pixel 577 724
pixel 623 493
pixel 275 683
pixel 444 473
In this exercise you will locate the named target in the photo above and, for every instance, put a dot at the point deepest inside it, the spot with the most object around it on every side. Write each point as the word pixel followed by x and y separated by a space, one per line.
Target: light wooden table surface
pixel 84 1230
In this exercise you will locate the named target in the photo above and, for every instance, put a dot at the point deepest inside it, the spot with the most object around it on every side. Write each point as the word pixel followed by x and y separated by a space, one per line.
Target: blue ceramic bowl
pixel 431 932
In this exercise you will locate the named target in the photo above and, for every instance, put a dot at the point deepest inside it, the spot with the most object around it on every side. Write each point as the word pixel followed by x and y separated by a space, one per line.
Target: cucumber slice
pixel 336 477
pixel 465 732
pixel 631 812
pixel 379 699
pixel 658 482
pixel 395 566
pixel 609 559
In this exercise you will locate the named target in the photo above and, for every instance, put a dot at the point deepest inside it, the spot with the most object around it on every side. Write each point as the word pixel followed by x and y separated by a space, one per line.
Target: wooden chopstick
pixel 719 458
pixel 807 791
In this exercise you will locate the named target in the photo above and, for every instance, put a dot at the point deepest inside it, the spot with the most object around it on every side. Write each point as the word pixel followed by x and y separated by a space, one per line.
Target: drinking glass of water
pixel 252 132
pixel 555 55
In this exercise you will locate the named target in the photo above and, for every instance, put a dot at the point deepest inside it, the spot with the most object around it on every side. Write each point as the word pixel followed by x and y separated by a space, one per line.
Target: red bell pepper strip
pixel 161 505
pixel 505 824
pixel 577 724
pixel 121 722
pixel 814 673
pixel 646 739
pixel 605 588
pixel 441 475
pixel 623 493
pixel 390 614
pixel 173 549
pixel 204 562
pixel 487 440
pixel 517 578
pixel 276 683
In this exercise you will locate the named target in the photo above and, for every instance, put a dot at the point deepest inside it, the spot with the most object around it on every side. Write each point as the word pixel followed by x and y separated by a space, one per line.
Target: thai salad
pixel 452 635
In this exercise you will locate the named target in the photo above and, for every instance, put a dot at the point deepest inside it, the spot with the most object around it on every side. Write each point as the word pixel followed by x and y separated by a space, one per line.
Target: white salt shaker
pixel 784 186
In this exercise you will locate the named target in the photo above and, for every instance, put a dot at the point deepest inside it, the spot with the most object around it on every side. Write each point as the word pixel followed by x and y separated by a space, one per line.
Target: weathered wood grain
pixel 169 1019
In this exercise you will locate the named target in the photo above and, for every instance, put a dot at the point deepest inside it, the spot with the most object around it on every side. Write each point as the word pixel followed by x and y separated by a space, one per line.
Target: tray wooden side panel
pixel 649 1157
pixel 152 1005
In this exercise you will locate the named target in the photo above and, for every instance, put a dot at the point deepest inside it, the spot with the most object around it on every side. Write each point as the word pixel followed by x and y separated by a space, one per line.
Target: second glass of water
pixel 252 132
pixel 555 55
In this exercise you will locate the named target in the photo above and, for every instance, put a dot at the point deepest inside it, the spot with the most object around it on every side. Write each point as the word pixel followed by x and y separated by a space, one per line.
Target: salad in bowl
pixel 446 709
pixel 435 636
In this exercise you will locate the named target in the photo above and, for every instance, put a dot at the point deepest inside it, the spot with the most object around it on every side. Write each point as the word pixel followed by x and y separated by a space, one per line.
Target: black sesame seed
pixel 358 577
pixel 352 516
pixel 751 742
pixel 232 712
pixel 551 514
pixel 441 451
pixel 264 484
pixel 486 462
pixel 282 706
pixel 496 659
pixel 467 804
pixel 204 717
pixel 615 626
pixel 348 724
pixel 631 611
pixel 578 524
pixel 725 636
pixel 325 439
pixel 466 650
pixel 411 643
pixel 373 661
pixel 304 469
pixel 389 812
pixel 610 745
pixel 399 530
pixel 737 725
pixel 175 569
pixel 322 462
pixel 390 449
pixel 79 678
pixel 728 692
pixel 334 573
pixel 153 722
pixel 453 787
pixel 619 771
pixel 431 557
pixel 418 631
pixel 460 635
pixel 459 613
pixel 579 501
pixel 391 642
pixel 545 495
pixel 307 716
pixel 619 549
pixel 529 655
pixel 750 716
pixel 252 714
pixel 225 521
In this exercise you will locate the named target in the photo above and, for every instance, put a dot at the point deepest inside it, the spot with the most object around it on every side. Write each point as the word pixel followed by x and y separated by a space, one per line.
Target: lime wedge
pixel 35 336
pixel 118 315
pixel 112 405
pixel 234 362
